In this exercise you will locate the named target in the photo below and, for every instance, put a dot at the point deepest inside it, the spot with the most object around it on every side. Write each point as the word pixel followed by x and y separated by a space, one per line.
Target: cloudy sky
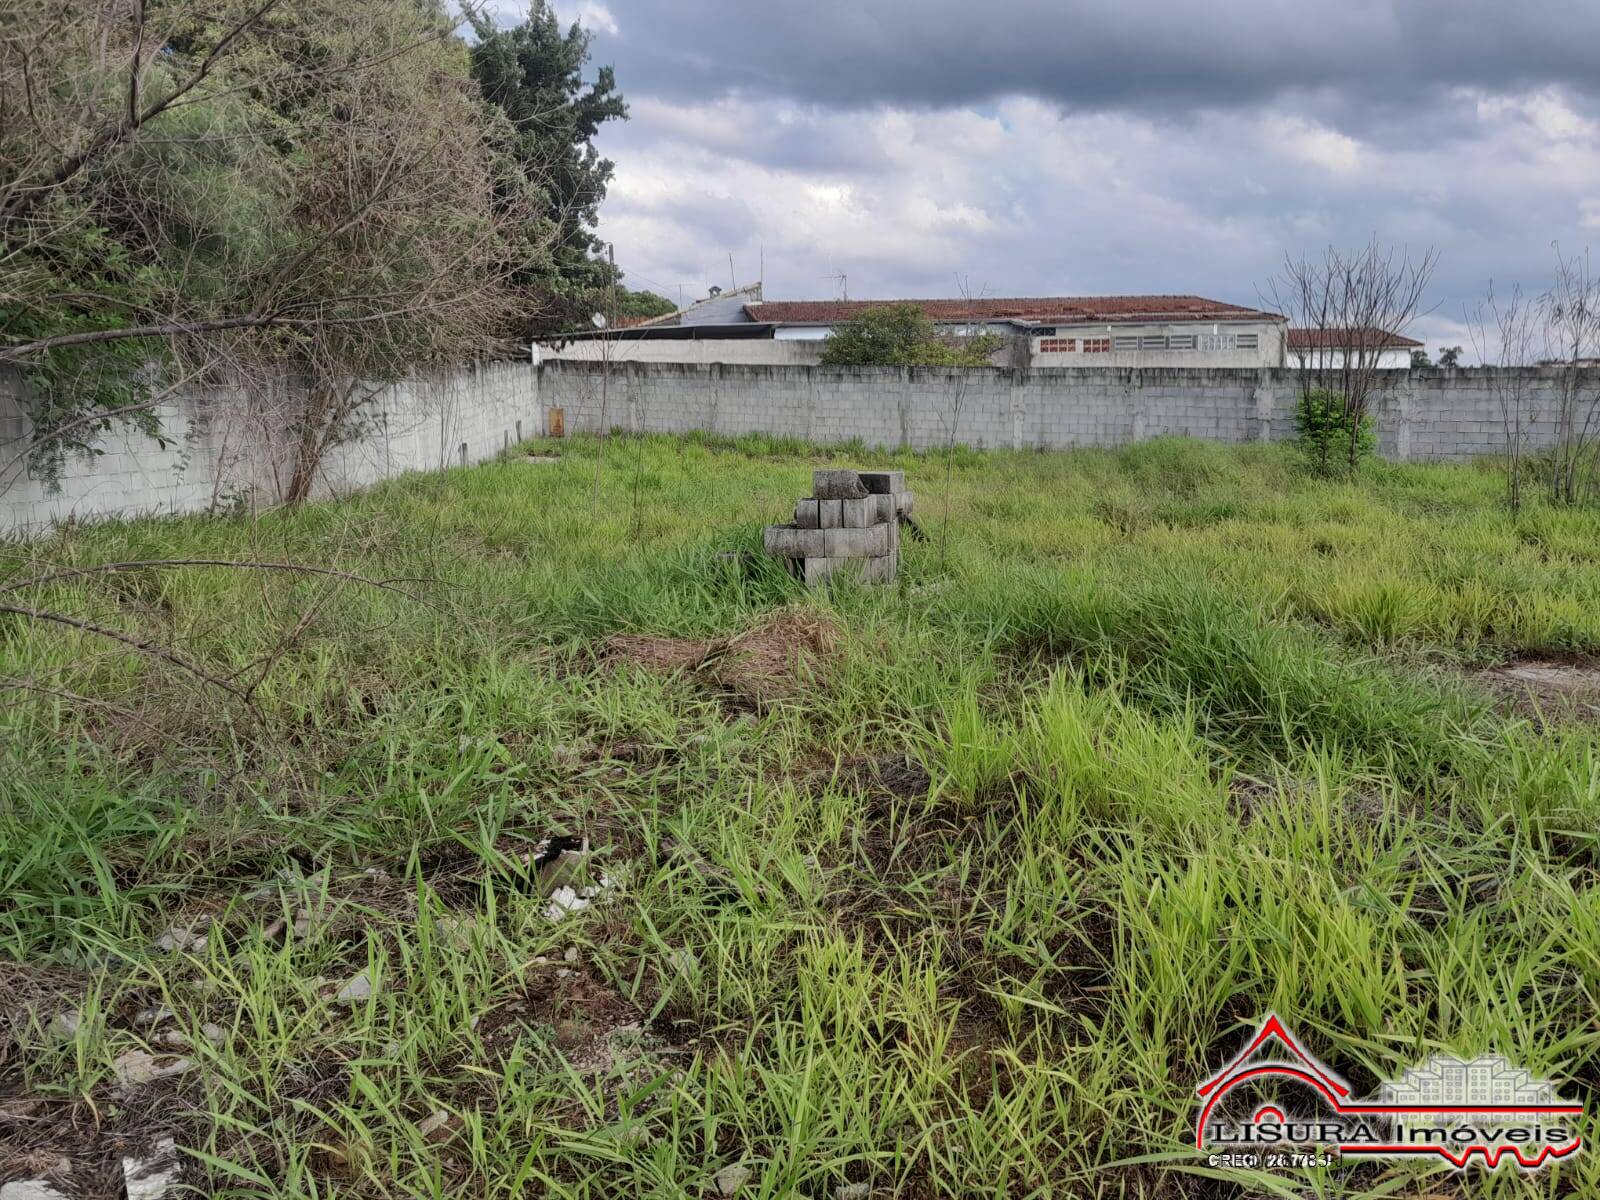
pixel 1057 147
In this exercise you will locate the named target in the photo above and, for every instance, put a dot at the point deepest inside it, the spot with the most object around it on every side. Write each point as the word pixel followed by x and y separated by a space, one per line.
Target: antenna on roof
pixel 731 279
pixel 843 281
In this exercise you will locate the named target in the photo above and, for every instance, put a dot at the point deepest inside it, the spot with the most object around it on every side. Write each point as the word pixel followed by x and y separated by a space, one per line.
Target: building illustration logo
pixel 1484 1111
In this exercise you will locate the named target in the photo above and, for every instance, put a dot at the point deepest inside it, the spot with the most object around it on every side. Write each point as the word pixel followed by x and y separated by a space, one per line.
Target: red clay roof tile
pixel 1100 310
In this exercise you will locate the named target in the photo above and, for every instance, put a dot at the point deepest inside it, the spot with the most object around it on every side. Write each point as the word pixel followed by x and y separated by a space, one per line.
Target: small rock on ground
pixel 852 1191
pixel 358 987
pixel 731 1179
pixel 438 1126
pixel 181 938
pixel 30 1189
pixel 152 1177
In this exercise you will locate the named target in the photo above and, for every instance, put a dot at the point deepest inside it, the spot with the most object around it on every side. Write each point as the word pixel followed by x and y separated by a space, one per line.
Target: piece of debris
pixel 63 1026
pixel 188 938
pixel 153 1016
pixel 438 1126
pixel 564 866
pixel 357 987
pixel 137 1067
pixel 852 1191
pixel 153 1176
pixel 566 900
pixel 30 1189
pixel 455 931
pixel 571 955
pixel 561 862
pixel 730 1179
pixel 542 460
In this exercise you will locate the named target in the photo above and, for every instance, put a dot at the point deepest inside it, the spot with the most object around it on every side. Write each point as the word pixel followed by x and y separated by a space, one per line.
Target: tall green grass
pixel 1176 737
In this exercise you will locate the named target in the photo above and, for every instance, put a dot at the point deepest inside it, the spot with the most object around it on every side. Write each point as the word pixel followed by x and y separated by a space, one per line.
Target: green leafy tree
pixel 642 304
pixel 533 73
pixel 243 192
pixel 1420 360
pixel 1450 356
pixel 1323 433
pixel 901 335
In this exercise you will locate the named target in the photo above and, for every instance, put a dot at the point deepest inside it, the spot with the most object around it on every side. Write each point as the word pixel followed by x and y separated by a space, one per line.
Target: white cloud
pixel 1023 197
pixel 1550 115
pixel 1316 144
pixel 596 17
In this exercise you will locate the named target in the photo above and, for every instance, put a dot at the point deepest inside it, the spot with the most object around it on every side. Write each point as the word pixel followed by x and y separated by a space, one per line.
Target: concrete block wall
pixel 1420 415
pixel 224 448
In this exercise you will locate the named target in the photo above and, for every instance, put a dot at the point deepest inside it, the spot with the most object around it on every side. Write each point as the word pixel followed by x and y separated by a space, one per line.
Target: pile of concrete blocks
pixel 850 524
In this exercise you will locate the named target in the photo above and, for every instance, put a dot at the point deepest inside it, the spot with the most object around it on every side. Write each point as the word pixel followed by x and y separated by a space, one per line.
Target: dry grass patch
pixel 776 660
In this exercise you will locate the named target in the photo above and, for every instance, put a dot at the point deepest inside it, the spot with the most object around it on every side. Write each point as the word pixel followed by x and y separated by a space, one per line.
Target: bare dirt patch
pixel 777 660
pixel 1544 688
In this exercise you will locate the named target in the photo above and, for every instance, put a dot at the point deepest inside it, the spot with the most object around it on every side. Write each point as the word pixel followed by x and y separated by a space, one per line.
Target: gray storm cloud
pixel 1047 147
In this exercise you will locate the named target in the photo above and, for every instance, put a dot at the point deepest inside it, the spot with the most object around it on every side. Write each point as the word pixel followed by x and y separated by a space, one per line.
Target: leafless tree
pixel 1570 313
pixel 1503 330
pixel 607 352
pixel 1352 301
pixel 950 420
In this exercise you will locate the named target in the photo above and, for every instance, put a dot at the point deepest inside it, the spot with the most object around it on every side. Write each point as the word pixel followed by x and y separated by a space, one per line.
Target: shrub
pixel 1332 440
pixel 900 335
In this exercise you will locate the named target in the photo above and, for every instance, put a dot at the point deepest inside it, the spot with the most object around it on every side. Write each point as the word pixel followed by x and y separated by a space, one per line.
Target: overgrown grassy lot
pixel 953 888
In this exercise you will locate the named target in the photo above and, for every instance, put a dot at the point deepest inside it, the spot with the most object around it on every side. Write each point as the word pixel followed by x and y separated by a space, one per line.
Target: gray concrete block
pixel 789 541
pixel 858 514
pixel 883 482
pixel 837 485
pixel 883 508
pixel 818 571
pixel 829 514
pixel 805 514
pixel 857 543
pixel 882 569
pixel 904 502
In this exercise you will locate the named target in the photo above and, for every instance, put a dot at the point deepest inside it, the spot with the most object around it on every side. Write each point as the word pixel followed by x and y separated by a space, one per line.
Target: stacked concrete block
pixel 850 524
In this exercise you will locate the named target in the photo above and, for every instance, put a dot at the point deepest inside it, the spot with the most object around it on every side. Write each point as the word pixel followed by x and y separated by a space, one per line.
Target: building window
pixel 1248 341
pixel 1156 342
pixel 1222 341
pixel 1097 345
pixel 1125 343
pixel 1181 341
pixel 1058 345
